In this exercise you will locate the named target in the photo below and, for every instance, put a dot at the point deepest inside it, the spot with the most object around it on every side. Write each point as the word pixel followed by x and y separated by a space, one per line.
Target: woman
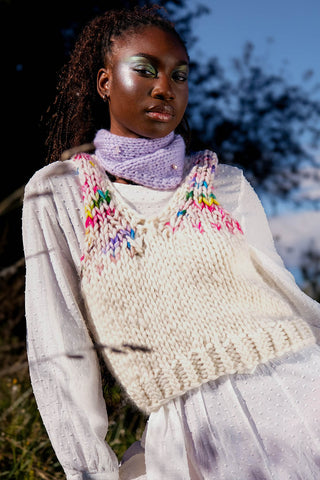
pixel 167 261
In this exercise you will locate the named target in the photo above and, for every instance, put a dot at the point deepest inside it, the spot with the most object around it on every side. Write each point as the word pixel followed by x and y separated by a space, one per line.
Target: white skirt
pixel 259 426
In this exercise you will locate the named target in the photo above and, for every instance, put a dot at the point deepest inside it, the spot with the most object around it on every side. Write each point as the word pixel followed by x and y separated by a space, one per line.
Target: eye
pixel 145 70
pixel 180 76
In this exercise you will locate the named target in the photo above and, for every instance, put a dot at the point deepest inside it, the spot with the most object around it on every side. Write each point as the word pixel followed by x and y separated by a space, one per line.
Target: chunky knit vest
pixel 175 300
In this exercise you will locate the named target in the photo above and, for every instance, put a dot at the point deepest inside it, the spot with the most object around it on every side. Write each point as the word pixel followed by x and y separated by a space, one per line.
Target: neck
pixel 115 179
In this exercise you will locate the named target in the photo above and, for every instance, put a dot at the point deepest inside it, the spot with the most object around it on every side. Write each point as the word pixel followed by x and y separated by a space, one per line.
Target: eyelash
pixel 177 76
pixel 144 71
pixel 181 76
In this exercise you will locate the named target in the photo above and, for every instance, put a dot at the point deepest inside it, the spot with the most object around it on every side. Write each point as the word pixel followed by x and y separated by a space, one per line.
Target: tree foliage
pixel 310 271
pixel 257 120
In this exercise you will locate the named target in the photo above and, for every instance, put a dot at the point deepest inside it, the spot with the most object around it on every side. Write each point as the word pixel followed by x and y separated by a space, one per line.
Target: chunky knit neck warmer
pixel 155 163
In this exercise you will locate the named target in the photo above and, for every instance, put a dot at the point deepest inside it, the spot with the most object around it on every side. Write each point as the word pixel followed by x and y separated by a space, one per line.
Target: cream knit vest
pixel 176 299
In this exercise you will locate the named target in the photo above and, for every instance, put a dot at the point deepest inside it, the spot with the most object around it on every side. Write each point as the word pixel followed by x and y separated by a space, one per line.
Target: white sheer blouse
pixel 63 365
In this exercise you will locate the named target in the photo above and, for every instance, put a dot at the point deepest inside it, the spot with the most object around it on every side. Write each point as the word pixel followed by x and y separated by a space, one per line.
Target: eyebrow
pixel 154 59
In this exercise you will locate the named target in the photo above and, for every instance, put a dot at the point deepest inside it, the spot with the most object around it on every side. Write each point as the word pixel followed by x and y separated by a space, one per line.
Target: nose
pixel 162 88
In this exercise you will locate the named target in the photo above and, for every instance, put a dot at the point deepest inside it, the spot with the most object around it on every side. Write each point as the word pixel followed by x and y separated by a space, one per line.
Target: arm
pixel 67 389
pixel 254 222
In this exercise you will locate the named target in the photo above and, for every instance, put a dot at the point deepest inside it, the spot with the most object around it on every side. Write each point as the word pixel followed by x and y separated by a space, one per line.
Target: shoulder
pixel 53 198
pixel 43 178
pixel 53 179
pixel 228 173
pixel 228 185
pixel 228 178
pixel 55 188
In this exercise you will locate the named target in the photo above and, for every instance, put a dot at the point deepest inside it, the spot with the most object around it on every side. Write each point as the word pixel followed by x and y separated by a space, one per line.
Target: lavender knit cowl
pixel 156 163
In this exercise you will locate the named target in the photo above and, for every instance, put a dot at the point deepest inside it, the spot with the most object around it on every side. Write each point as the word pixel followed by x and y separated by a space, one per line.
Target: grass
pixel 25 449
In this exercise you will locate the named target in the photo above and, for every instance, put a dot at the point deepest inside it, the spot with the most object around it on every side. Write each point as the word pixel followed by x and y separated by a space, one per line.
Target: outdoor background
pixel 254 99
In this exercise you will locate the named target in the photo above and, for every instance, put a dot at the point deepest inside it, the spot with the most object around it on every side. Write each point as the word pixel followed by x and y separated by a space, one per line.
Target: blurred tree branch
pixel 256 120
pixel 12 201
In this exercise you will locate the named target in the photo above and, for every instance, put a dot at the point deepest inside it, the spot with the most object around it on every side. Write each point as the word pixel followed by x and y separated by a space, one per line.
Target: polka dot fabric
pixel 68 388
pixel 261 426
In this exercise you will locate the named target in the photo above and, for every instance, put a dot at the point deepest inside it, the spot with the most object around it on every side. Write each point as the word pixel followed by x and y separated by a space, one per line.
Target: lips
pixel 162 113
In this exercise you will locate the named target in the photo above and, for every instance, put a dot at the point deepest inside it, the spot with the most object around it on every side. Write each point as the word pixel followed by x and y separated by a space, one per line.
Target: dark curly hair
pixel 78 111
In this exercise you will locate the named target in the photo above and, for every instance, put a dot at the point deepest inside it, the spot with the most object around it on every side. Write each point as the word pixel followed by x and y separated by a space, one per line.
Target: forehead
pixel 152 41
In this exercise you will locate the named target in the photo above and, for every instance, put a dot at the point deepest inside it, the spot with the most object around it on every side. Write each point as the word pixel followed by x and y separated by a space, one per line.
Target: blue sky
pixel 293 26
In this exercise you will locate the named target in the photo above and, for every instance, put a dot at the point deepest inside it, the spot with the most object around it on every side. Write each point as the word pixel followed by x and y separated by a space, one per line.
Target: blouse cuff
pixel 95 476
pixel 101 476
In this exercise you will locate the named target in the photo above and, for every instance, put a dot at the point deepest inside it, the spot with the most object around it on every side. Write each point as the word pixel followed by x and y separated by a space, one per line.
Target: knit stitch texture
pixel 155 163
pixel 177 297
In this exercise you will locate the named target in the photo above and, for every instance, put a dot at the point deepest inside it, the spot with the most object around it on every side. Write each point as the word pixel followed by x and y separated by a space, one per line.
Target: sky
pixel 292 25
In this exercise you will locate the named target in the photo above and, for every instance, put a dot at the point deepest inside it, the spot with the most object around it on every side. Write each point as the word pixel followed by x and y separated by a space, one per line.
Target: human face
pixel 146 83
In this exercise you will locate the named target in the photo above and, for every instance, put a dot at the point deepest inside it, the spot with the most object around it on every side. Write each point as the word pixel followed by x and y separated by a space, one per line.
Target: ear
pixel 103 83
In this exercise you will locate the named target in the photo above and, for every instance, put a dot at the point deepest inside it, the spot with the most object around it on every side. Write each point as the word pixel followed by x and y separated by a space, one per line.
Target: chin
pixel 157 133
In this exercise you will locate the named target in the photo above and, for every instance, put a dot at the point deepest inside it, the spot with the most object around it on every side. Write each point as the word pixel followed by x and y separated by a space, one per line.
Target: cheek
pixel 125 80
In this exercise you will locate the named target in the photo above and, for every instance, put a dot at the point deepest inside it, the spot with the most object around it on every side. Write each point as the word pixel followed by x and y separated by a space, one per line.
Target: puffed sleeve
pixel 63 365
pixel 253 220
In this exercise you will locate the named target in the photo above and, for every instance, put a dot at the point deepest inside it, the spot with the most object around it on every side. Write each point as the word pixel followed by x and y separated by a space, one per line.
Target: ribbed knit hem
pixel 201 367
